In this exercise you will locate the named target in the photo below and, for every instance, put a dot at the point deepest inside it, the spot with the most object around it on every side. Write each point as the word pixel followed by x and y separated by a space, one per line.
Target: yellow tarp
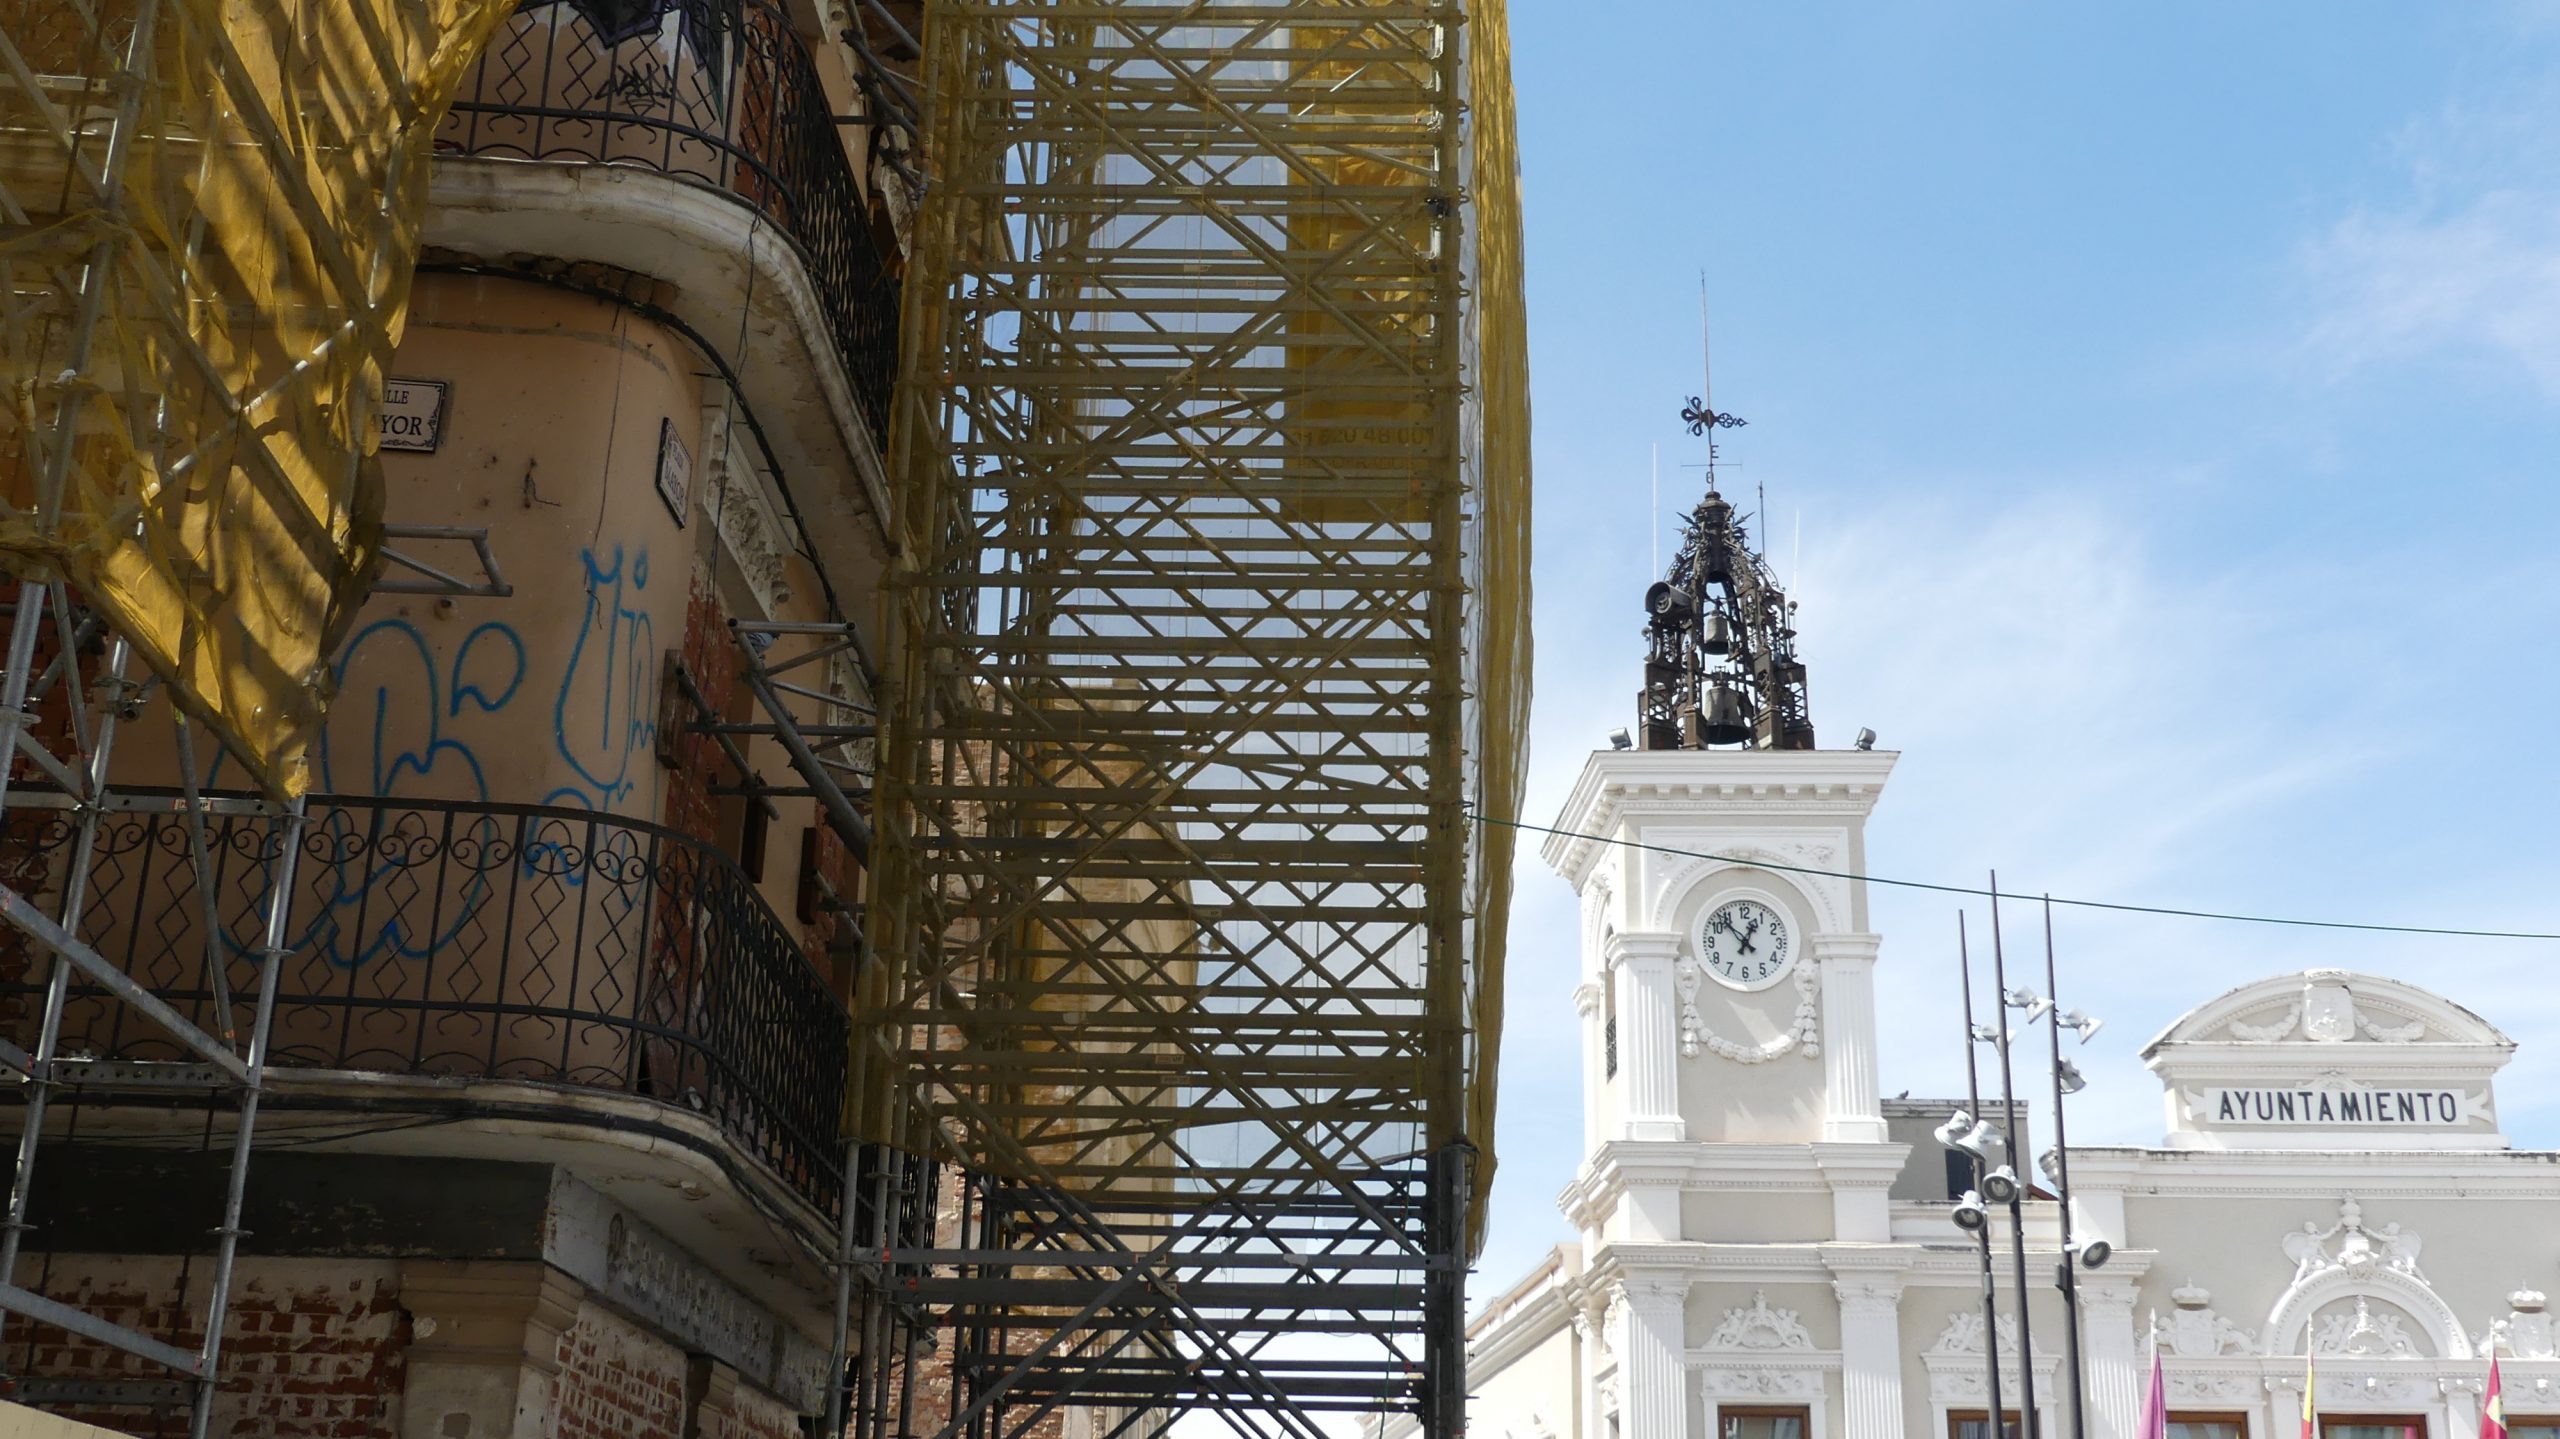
pixel 1498 553
pixel 1366 426
pixel 212 215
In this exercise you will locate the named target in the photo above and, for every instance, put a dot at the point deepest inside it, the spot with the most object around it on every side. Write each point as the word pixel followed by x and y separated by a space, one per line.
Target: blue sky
pixel 2167 398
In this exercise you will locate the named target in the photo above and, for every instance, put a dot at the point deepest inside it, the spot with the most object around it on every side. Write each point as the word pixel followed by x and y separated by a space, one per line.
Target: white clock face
pixel 1745 943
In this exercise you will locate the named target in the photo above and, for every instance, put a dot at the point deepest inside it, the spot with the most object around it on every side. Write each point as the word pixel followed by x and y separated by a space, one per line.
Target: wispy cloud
pixel 2462 260
pixel 2478 282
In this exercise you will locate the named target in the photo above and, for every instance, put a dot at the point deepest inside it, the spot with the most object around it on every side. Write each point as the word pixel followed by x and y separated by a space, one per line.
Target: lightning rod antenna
pixel 1706 376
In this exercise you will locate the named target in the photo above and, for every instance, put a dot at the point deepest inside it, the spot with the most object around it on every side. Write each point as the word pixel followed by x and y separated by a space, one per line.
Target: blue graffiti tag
pixel 358 861
pixel 617 676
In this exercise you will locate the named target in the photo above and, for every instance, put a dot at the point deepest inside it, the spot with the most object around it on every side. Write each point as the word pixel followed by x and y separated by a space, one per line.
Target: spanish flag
pixel 2310 1406
pixel 2493 1406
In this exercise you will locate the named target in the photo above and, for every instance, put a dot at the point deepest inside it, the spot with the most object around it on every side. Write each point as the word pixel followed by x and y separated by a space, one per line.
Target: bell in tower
pixel 1720 663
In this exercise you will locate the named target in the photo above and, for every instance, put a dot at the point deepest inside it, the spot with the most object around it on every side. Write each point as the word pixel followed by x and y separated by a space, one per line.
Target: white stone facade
pixel 1761 1233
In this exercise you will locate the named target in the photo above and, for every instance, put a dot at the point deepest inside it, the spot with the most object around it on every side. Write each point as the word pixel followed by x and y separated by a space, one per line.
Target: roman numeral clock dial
pixel 1745 943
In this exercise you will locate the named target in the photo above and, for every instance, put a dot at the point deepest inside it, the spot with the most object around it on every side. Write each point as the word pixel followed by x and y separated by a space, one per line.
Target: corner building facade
pixel 1767 1248
pixel 548 1140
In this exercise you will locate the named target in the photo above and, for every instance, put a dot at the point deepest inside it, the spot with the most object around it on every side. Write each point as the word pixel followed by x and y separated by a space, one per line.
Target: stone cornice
pixel 2291 1173
pixel 1521 1322
pixel 1633 946
pixel 1619 784
pixel 1835 944
pixel 1815 1168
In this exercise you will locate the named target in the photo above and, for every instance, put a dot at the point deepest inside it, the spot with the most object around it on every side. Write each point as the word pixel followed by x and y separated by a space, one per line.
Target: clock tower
pixel 1727 1001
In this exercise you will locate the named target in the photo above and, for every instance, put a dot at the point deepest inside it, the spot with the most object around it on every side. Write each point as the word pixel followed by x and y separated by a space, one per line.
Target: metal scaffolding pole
pixel 1176 897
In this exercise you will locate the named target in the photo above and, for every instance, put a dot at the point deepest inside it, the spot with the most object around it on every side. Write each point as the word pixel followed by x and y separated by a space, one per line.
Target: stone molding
pixel 1756 1327
pixel 488 1312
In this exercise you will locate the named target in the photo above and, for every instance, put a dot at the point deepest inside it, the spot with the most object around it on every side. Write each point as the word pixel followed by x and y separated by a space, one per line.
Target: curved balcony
pixel 465 941
pixel 720 94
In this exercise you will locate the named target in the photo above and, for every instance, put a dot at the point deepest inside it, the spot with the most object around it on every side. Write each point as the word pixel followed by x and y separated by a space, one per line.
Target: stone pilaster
pixel 2116 1369
pixel 1648 1035
pixel 484 1347
pixel 1652 1372
pixel 1853 1108
pixel 1870 1354
pixel 1587 998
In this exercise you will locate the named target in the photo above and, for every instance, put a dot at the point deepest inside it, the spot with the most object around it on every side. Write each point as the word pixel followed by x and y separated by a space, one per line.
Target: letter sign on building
pixel 412 414
pixel 2339 1105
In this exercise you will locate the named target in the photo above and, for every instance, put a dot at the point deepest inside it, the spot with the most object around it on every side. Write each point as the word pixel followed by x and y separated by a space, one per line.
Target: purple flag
pixel 2155 1408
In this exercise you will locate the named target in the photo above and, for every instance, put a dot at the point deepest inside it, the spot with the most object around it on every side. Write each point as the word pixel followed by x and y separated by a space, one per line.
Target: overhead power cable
pixel 1982 893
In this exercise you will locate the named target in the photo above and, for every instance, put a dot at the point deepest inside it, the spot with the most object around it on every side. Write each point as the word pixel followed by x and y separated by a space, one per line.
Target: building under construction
pixel 753 718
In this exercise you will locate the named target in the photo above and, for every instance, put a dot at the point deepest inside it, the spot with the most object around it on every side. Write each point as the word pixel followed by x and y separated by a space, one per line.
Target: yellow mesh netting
pixel 1498 552
pixel 212 212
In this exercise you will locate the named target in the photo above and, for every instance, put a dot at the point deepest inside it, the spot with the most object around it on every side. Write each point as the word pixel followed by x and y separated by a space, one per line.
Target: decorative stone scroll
pixel 2526 1331
pixel 1955 1362
pixel 2348 1245
pixel 2365 1334
pixel 2194 1331
pixel 1758 1327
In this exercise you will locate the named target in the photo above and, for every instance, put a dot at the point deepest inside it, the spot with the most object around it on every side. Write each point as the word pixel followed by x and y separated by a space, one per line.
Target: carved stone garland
pixel 1804 1031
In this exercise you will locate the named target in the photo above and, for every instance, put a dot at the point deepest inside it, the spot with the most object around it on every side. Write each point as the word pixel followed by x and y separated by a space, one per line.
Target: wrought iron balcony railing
pixel 720 93
pixel 471 941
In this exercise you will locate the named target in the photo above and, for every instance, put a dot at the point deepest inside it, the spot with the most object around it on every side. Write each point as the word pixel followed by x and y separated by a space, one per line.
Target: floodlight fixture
pixel 1970 1215
pixel 2000 1185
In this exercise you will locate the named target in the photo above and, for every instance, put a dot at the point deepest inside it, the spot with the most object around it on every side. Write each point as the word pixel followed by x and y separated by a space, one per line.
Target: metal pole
pixel 1982 1236
pixel 2065 1270
pixel 13 701
pixel 2017 1195
pixel 839 1353
pixel 271 953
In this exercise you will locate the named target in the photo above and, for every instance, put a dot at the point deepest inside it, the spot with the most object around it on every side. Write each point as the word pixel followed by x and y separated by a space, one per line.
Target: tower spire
pixel 1720 660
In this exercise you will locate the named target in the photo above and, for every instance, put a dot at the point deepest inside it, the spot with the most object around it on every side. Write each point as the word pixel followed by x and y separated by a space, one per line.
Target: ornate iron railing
pixel 721 93
pixel 480 941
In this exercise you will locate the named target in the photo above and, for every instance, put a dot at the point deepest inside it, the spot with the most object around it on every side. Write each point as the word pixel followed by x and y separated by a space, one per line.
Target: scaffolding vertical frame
pixel 1178 907
pixel 220 1065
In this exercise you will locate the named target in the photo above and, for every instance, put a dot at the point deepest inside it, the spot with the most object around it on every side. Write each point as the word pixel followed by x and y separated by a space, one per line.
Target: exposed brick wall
pixel 312 1348
pixel 751 1414
pixel 712 658
pixel 617 1381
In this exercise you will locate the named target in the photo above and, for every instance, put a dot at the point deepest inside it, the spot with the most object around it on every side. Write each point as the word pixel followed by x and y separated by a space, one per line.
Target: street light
pixel 2000 1185
pixel 2003 1039
pixel 1970 1216
pixel 2077 1253
pixel 1964 1134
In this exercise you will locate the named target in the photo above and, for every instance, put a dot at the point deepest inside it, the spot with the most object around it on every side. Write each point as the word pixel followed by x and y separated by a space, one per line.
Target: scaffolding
pixel 208 220
pixel 1207 634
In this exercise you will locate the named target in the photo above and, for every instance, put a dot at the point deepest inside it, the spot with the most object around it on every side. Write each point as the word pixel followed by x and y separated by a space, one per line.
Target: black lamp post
pixel 1998 1035
pixel 2076 1254
pixel 1970 1213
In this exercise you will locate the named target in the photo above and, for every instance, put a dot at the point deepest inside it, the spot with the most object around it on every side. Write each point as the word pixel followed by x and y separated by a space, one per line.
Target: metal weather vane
pixel 1720 658
pixel 1701 419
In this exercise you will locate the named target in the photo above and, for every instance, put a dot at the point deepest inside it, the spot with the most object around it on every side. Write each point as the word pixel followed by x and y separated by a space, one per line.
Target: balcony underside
pixel 738 284
pixel 672 1167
